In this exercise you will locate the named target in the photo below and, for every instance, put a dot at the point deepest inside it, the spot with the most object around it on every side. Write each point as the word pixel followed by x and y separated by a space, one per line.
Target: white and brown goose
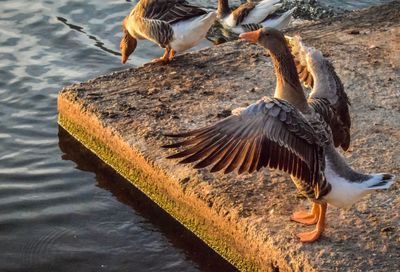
pixel 284 132
pixel 251 16
pixel 174 25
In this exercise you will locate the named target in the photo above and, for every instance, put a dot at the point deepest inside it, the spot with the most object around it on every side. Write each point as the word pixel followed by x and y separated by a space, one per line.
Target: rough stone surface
pixel 200 88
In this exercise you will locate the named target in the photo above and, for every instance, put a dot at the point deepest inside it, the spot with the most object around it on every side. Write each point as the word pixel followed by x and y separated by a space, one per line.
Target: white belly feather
pixel 189 33
pixel 343 193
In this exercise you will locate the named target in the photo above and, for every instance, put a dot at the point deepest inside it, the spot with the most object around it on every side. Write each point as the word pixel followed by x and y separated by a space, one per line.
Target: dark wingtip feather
pixel 184 134
pixel 177 155
pixel 171 157
pixel 345 146
pixel 214 169
pixel 387 176
pixel 175 145
pixel 228 170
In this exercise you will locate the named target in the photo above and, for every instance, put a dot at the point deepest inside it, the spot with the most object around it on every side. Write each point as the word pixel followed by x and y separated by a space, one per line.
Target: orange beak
pixel 252 36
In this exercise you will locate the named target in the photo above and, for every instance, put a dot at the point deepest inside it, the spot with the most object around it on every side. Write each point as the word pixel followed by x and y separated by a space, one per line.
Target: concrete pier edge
pixel 189 211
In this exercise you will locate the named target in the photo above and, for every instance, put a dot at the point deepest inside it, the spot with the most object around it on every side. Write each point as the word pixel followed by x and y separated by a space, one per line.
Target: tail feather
pixel 381 182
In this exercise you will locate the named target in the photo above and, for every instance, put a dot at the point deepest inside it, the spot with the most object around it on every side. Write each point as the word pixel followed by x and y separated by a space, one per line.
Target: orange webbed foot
pixel 171 54
pixel 317 214
pixel 309 237
pixel 165 58
pixel 304 218
pixel 307 218
pixel 160 60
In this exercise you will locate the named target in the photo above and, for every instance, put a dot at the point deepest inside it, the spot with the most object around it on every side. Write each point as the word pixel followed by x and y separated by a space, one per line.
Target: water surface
pixel 61 209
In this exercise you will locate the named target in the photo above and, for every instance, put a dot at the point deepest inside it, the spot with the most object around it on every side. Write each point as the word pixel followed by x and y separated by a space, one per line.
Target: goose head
pixel 288 85
pixel 127 45
pixel 270 38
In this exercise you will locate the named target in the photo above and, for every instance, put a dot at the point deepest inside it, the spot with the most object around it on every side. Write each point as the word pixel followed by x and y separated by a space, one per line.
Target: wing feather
pixel 170 11
pixel 215 156
pixel 194 149
pixel 269 133
pixel 208 149
pixel 227 157
pixel 238 157
pixel 312 66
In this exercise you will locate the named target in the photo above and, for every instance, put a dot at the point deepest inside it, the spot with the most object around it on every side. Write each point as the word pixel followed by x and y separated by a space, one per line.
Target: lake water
pixel 61 209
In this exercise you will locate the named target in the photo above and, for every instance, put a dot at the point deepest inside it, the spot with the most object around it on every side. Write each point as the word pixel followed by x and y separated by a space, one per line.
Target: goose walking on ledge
pixel 251 16
pixel 172 24
pixel 283 132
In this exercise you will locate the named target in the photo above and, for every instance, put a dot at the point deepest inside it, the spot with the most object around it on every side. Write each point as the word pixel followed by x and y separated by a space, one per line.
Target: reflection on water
pixel 156 218
pixel 98 43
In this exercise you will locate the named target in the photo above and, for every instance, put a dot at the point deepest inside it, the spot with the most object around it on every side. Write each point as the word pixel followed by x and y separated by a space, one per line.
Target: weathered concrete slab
pixel 121 116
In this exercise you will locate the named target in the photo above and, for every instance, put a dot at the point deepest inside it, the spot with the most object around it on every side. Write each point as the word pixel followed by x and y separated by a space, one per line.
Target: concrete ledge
pixel 120 117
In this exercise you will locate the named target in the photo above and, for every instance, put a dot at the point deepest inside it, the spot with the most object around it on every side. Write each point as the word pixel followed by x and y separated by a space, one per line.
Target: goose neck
pixel 223 9
pixel 288 85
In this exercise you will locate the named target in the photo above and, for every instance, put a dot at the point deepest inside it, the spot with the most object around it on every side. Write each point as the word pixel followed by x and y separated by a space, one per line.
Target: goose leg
pixel 308 237
pixel 165 57
pixel 305 217
pixel 171 54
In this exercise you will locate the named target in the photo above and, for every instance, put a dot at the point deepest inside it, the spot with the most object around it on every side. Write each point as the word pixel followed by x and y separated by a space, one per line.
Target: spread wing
pixel 323 107
pixel 311 67
pixel 269 133
pixel 170 11
pixel 340 103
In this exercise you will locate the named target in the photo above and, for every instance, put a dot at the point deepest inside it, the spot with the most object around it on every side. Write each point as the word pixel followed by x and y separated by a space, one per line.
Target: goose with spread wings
pixel 285 132
pixel 251 16
pixel 174 25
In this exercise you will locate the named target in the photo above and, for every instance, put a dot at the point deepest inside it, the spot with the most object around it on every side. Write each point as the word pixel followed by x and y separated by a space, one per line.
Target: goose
pixel 284 132
pixel 172 24
pixel 250 16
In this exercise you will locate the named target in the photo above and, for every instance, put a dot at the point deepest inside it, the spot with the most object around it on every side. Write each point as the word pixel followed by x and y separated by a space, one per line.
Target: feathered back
pixel 170 11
